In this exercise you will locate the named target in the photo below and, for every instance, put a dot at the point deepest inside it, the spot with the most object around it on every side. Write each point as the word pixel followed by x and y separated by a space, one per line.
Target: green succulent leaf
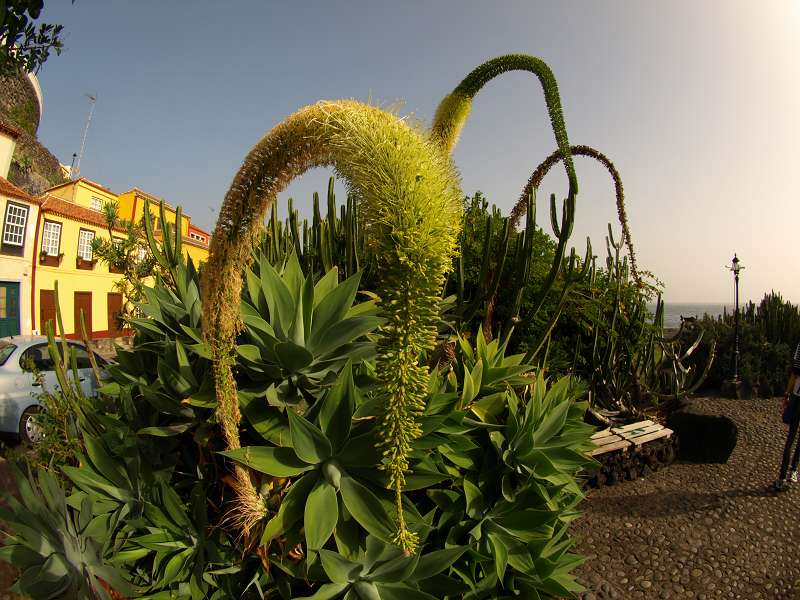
pixel 338 568
pixel 336 408
pixel 308 441
pixel 278 462
pixel 436 562
pixel 321 514
pixel 366 508
pixel 292 357
pixel 291 508
pixel 402 592
pixel 328 591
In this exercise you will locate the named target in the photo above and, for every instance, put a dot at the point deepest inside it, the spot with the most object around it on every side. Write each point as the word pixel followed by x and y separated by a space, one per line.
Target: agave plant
pixel 62 551
pixel 299 334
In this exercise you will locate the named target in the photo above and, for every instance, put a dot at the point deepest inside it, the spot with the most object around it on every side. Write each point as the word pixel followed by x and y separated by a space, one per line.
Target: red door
pixel 114 314
pixel 47 311
pixel 83 302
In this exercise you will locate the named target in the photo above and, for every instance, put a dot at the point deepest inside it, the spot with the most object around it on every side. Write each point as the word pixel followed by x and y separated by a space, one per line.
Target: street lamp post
pixel 735 383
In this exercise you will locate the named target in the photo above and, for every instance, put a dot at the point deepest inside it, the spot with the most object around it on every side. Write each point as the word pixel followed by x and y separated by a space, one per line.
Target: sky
pixel 696 103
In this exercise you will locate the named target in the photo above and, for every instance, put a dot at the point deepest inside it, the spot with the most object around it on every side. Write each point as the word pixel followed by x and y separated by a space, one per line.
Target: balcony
pixel 86 265
pixel 50 260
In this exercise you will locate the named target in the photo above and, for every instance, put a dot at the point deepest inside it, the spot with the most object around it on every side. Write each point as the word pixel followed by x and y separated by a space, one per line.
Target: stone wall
pixel 18 103
pixel 33 167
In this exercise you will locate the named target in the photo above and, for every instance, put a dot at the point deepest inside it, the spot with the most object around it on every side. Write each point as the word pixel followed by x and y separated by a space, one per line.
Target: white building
pixel 20 213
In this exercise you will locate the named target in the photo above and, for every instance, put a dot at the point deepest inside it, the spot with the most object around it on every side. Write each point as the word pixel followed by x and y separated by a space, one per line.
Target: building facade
pixel 48 240
pixel 71 218
pixel 19 215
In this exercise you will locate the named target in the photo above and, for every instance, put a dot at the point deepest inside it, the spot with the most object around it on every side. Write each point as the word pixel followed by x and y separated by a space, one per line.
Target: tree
pixel 24 44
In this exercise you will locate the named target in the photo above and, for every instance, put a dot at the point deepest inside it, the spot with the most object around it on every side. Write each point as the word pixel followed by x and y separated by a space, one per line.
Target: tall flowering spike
pixel 544 167
pixel 410 198
pixel 453 110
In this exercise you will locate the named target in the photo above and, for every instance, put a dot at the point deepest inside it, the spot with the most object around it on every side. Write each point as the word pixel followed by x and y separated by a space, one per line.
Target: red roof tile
pixel 193 227
pixel 89 181
pixel 9 189
pixel 56 206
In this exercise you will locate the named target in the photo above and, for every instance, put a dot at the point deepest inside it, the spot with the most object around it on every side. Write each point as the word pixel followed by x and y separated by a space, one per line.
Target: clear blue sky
pixel 696 102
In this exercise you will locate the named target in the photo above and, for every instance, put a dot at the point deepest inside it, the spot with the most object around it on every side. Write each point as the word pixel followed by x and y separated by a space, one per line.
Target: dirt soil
pixel 699 531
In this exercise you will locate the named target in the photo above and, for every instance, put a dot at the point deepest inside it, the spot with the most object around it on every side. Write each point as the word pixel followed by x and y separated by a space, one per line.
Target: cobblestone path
pixel 699 531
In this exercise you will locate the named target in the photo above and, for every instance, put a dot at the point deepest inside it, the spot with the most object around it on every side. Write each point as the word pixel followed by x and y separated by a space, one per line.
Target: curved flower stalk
pixel 536 178
pixel 408 191
pixel 453 110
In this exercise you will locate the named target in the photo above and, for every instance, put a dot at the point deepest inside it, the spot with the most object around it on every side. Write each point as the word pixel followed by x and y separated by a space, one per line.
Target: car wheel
pixel 30 431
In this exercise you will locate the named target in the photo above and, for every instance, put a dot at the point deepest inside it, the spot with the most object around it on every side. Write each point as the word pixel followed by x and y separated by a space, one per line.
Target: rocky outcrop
pixel 33 167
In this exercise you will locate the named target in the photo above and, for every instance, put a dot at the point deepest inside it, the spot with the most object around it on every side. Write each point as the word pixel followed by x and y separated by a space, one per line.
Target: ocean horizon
pixel 674 310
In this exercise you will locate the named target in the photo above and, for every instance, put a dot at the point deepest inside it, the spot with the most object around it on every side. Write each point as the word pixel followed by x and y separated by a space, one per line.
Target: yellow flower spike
pixel 408 193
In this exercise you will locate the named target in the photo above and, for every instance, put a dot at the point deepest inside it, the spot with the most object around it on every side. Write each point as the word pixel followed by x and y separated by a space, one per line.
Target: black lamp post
pixel 736 267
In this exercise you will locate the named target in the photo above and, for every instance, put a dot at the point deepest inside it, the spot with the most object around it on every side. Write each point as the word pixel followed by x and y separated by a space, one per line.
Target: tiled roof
pixel 88 181
pixel 194 227
pixel 56 206
pixel 9 189
pixel 10 130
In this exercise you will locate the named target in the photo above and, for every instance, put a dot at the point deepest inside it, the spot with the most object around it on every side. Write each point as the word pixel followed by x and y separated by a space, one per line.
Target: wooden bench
pixel 622 438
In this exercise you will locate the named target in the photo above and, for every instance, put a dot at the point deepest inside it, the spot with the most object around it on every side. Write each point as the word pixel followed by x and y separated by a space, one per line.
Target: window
pixel 81 356
pixel 14 228
pixel 36 358
pixel 51 238
pixel 96 203
pixel 85 238
pixel 197 237
pixel 6 350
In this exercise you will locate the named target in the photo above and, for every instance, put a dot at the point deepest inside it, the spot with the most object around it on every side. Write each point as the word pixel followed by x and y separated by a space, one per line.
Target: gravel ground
pixel 699 531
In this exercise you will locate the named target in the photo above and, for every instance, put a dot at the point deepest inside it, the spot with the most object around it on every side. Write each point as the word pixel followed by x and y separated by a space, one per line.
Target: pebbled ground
pixel 699 531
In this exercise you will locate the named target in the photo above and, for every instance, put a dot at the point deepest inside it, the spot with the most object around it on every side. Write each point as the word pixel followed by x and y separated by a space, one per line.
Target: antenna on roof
pixel 76 169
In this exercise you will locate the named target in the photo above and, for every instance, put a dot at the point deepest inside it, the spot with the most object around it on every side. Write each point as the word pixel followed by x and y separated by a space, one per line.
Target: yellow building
pixel 195 240
pixel 70 217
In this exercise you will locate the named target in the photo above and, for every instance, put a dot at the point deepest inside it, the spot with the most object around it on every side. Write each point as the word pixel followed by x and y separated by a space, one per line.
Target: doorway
pixel 9 308
pixel 83 301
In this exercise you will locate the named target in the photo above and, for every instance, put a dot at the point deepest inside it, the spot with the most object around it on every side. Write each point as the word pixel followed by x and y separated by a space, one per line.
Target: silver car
pixel 26 372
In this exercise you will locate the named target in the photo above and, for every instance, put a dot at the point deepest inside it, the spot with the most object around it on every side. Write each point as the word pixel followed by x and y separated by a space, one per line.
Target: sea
pixel 674 310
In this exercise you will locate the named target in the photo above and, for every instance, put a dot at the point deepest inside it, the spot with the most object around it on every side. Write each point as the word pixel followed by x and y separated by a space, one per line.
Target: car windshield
pixel 6 350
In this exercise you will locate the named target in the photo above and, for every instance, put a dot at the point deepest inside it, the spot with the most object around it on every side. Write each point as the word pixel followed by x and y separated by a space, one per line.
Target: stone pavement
pixel 699 531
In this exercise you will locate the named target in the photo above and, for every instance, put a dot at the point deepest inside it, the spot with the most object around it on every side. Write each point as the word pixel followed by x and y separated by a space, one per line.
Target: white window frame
pixel 51 243
pixel 85 237
pixel 15 223
pixel 99 201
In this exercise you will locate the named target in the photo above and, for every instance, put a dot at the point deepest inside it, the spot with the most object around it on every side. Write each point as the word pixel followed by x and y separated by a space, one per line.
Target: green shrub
pixel 491 488
pixel 768 334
